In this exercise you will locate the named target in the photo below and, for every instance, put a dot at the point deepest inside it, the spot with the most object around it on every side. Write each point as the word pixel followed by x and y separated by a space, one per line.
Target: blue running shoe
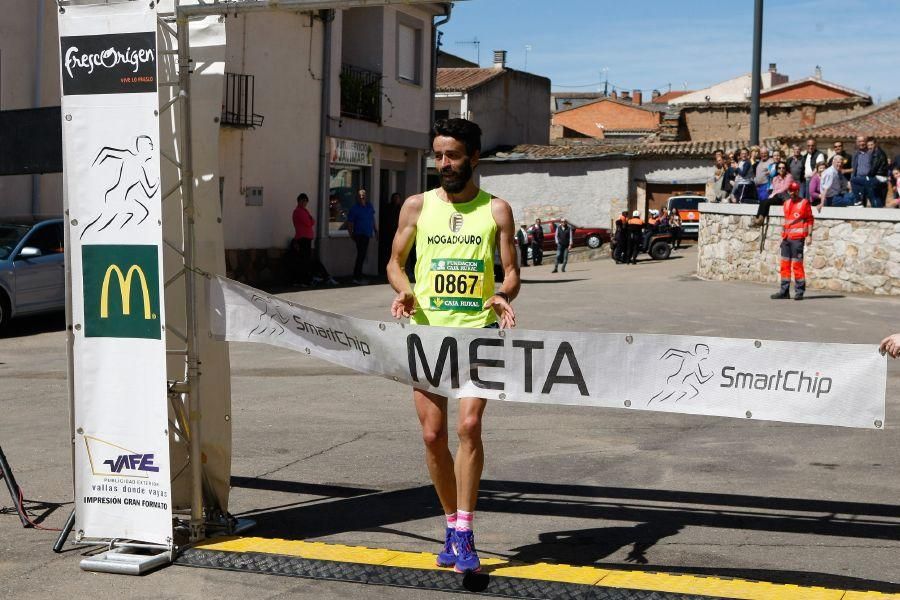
pixel 447 557
pixel 466 557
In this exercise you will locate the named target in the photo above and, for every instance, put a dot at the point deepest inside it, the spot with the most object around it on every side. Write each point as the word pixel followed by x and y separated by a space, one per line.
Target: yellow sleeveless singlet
pixel 455 262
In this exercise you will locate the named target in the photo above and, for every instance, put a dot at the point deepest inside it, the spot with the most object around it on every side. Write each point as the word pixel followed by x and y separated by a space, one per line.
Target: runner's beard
pixel 454 181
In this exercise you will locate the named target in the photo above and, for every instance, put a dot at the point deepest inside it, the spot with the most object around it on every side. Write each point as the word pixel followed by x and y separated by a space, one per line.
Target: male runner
pixel 455 228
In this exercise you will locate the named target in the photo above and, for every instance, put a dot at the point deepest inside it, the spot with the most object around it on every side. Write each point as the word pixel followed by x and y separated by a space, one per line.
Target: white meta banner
pixel 825 384
pixel 108 71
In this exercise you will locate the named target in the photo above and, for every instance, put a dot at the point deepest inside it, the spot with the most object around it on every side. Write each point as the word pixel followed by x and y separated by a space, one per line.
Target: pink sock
pixel 451 521
pixel 464 520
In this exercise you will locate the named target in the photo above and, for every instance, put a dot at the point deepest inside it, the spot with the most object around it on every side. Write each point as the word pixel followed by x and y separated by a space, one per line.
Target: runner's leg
pixel 432 412
pixel 470 455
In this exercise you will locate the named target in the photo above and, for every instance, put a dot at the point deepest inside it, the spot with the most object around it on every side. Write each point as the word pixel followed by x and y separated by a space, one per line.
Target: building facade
pixel 277 138
pixel 511 107
pixel 591 184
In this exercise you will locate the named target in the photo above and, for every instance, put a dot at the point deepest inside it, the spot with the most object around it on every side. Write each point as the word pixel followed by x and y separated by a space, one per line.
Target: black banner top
pixel 118 63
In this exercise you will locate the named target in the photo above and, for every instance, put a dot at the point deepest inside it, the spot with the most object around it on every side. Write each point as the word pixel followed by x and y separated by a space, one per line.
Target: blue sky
pixel 647 44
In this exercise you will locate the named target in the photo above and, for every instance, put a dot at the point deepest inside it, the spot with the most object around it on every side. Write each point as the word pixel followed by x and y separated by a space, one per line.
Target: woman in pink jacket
pixel 778 193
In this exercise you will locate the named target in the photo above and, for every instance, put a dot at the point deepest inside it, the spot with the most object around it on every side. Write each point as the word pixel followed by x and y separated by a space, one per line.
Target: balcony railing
pixel 237 104
pixel 360 94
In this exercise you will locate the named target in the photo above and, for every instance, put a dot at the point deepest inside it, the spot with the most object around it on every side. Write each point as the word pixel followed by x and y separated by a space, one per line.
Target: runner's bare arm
pixel 506 241
pixel 404 302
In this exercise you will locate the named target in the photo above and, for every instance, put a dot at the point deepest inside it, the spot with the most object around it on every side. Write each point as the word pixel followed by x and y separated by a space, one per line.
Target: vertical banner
pixel 111 160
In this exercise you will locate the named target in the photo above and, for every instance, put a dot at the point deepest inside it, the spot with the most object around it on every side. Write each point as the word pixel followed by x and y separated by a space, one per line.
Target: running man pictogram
pixel 136 183
pixel 270 323
pixel 690 367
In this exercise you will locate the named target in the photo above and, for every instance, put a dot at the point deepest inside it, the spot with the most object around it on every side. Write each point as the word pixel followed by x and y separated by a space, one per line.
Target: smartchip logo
pixel 121 291
pixel 107 458
pixel 687 380
pixel 120 63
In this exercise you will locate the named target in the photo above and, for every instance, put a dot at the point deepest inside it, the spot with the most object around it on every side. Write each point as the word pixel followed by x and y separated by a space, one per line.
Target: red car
pixel 592 237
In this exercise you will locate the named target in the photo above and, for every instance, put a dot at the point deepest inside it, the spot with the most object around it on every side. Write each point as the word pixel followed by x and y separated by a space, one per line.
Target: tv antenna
pixel 473 42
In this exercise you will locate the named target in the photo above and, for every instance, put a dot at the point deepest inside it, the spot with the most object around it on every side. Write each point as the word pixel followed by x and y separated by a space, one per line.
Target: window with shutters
pixel 409 49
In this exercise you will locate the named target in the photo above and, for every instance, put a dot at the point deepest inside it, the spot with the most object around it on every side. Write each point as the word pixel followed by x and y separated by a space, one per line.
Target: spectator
pixel 744 191
pixel 621 238
pixel 815 187
pixel 537 243
pixel 879 172
pixel 563 237
pixel 861 166
pixel 304 234
pixel 811 158
pixel 834 184
pixel 663 218
pixel 761 174
pixel 675 228
pixel 870 170
pixel 837 149
pixel 777 194
pixel 795 166
pixel 728 179
pixel 633 226
pixel 361 226
pixel 522 241
pixel 652 226
pixel 894 201
pixel 390 218
pixel 718 187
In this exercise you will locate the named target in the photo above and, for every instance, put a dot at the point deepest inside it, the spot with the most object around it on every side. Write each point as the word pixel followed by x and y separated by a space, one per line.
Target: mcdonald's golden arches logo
pixel 121 291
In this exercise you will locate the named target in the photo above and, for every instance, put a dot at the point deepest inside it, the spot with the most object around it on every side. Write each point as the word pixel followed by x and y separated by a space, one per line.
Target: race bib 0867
pixel 456 284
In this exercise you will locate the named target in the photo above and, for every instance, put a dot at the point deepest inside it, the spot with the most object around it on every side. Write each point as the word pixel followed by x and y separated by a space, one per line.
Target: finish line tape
pixel 795 382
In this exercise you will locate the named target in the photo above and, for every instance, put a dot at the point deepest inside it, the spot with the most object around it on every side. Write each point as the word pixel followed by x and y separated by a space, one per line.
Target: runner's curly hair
pixel 465 131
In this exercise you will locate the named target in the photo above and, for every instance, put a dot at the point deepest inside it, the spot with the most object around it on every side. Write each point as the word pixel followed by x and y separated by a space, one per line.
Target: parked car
pixel 592 237
pixel 689 212
pixel 32 268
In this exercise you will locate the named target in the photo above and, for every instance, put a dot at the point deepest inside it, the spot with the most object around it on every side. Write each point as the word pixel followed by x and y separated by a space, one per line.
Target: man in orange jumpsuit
pixel 796 233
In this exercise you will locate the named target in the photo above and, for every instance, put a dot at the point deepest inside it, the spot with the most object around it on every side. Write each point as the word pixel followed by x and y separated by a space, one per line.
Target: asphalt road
pixel 324 453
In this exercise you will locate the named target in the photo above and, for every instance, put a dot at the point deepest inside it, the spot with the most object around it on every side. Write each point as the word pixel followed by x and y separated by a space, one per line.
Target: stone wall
pixel 853 249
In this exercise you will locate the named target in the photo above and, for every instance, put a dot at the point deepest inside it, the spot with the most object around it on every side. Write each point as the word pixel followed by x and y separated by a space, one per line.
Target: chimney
pixel 654 95
pixel 614 94
pixel 625 97
pixel 637 96
pixel 499 59
pixel 773 68
pixel 818 73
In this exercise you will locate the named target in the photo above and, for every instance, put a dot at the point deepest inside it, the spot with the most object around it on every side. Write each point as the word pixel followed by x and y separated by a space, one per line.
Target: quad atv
pixel 658 245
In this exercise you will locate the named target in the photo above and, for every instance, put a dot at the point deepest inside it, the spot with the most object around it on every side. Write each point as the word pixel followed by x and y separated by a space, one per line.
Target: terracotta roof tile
pixel 465 79
pixel 882 121
pixel 603 149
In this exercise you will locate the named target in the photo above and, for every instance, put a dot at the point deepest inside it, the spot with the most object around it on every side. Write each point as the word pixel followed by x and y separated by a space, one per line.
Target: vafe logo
pixel 456 222
pixel 107 458
pixel 121 291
